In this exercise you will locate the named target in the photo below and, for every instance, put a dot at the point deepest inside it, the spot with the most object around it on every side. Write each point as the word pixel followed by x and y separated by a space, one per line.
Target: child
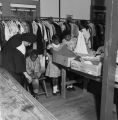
pixel 71 44
pixel 68 41
pixel 33 68
pixel 53 70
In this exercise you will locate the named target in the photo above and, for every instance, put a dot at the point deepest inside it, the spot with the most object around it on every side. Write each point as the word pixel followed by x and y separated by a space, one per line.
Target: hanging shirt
pixel 86 35
pixel 81 44
pixel 35 27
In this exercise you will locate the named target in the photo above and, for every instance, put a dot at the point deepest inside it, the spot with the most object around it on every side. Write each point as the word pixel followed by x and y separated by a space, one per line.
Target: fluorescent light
pixel 13 9
pixel 0 4
pixel 22 6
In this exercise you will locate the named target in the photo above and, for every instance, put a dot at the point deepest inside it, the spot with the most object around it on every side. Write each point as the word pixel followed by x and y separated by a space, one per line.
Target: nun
pixel 13 56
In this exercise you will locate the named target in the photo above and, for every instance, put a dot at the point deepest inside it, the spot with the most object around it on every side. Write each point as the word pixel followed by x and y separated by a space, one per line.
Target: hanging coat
pixel 40 44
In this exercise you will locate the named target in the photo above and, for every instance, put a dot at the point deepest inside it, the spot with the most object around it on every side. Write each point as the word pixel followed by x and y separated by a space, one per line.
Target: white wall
pixel 49 8
pixel 80 9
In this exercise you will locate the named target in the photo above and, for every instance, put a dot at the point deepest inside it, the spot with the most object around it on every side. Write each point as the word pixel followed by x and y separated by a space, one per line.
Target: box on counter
pixel 116 74
pixel 62 60
pixel 63 56
pixel 92 69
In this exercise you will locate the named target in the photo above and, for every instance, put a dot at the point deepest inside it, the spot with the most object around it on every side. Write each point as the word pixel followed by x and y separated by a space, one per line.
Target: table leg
pixel 63 83
pixel 85 83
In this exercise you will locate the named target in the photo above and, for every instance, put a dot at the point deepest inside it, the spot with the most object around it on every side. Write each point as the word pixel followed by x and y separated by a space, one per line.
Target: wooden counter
pixel 17 104
pixel 65 82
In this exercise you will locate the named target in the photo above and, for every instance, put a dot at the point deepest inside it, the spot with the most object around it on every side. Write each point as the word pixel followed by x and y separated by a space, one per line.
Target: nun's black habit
pixel 12 59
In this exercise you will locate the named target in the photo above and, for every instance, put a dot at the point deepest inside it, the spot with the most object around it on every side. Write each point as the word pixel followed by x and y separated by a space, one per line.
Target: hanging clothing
pixel 2 35
pixel 74 30
pixel 68 27
pixel 34 27
pixel 57 29
pixel 81 45
pixel 50 27
pixel 86 35
pixel 30 26
pixel 40 44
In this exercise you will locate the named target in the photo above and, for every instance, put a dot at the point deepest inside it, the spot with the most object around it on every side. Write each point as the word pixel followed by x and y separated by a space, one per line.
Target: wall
pixel 98 2
pixel 80 9
pixel 6 9
pixel 49 8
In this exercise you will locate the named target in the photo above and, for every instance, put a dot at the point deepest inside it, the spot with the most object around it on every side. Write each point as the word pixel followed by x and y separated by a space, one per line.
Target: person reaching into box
pixel 70 43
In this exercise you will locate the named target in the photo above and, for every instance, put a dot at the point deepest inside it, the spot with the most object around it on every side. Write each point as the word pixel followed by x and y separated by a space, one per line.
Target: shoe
pixel 71 88
pixel 55 94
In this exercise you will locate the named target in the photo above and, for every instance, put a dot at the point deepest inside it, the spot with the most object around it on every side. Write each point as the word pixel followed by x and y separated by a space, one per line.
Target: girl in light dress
pixel 53 71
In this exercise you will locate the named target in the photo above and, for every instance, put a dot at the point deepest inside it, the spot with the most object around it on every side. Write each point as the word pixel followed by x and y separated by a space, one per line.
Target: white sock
pixel 69 86
pixel 55 89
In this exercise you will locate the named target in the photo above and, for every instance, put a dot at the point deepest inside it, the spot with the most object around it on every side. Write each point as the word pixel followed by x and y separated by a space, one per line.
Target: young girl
pixel 33 68
pixel 53 70
pixel 68 41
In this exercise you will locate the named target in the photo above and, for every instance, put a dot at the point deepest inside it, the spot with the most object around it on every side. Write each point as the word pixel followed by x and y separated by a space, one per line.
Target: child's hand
pixel 49 46
pixel 37 74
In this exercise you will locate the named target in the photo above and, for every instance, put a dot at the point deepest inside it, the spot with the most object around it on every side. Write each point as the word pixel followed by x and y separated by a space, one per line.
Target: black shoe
pixel 73 88
pixel 55 94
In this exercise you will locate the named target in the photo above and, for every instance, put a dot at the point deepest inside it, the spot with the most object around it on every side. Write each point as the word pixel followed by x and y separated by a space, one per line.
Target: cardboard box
pixel 116 74
pixel 62 60
pixel 91 69
pixel 63 56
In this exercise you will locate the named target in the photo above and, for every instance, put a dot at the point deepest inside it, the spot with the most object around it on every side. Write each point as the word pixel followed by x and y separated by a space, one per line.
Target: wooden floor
pixel 78 105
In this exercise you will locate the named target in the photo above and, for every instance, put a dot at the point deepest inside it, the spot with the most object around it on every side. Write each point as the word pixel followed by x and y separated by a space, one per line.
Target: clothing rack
pixel 7 18
pixel 56 19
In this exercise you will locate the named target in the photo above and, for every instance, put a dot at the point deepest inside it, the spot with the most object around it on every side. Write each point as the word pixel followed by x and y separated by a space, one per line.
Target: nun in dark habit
pixel 13 56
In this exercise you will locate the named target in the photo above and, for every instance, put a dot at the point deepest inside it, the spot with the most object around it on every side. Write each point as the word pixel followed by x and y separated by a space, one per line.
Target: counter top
pixel 17 104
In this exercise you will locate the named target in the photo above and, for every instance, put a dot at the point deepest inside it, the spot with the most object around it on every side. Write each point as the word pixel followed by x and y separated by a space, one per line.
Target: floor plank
pixel 78 105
